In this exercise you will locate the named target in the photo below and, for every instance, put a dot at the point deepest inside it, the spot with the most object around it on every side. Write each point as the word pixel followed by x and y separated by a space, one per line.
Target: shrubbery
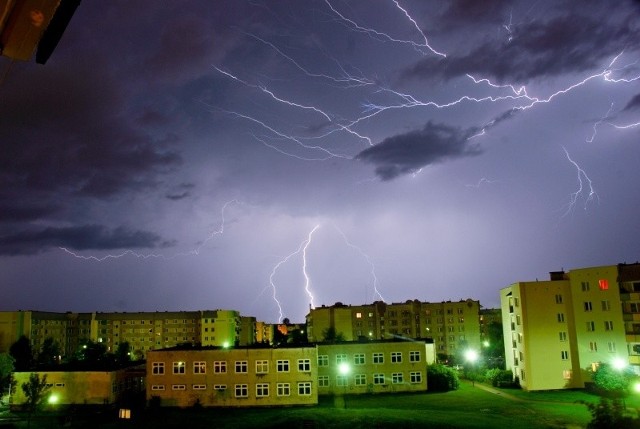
pixel 499 377
pixel 442 378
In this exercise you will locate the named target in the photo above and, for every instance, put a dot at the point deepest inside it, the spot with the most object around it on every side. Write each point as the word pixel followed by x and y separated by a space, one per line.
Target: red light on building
pixel 604 284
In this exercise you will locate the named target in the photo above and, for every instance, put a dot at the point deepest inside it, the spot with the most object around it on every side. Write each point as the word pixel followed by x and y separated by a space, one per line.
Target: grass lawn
pixel 468 407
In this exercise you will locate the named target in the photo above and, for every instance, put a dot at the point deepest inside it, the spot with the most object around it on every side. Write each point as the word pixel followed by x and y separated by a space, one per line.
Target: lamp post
pixel 471 356
pixel 344 370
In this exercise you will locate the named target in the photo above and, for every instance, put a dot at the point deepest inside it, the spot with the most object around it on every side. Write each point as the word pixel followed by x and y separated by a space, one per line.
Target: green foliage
pixel 22 353
pixel 494 352
pixel 35 391
pixel 123 353
pixel 330 335
pixel 499 377
pixel 612 382
pixel 6 368
pixel 609 415
pixel 49 353
pixel 442 378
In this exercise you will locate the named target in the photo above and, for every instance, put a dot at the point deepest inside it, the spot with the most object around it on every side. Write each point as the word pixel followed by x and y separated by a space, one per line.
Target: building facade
pixel 557 331
pixel 233 377
pixel 372 367
pixel 449 325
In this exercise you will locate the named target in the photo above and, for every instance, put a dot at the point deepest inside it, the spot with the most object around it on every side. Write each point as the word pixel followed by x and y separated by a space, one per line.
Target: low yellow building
pixel 84 387
pixel 233 377
pixel 372 367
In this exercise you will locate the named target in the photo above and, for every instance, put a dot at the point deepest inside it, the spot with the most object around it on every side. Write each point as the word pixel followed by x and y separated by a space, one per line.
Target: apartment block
pixel 449 325
pixel 372 367
pixel 233 377
pixel 557 331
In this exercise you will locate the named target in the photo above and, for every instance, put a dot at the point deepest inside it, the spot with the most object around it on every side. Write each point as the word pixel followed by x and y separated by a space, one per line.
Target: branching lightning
pixel 194 252
pixel 595 125
pixel 307 280
pixel 584 182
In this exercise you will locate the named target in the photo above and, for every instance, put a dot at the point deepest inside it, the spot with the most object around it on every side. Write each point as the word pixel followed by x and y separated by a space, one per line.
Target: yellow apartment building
pixel 557 331
pixel 372 367
pixel 85 387
pixel 233 377
pixel 449 325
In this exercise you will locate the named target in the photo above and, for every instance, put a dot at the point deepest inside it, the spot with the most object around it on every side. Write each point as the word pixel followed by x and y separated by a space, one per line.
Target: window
pixel 199 387
pixel 358 315
pixel 360 379
pixel 199 367
pixel 341 358
pixel 323 381
pixel 564 355
pixel 282 365
pixel 396 357
pixel 611 346
pixel 262 390
pixel 341 380
pixel 262 366
pixel 178 367
pixel 634 307
pixel 606 305
pixel 358 359
pixel 241 391
pixel 157 387
pixel 608 325
pixel 591 326
pixel 378 358
pixel 304 388
pixel 323 360
pixel 378 378
pixel 179 387
pixel 304 365
pixel 566 374
pixel 414 356
pixel 585 286
pixel 563 336
pixel 220 367
pixel 396 378
pixel 518 319
pixel 561 317
pixel 415 377
pixel 593 346
pixel 603 284
pixel 219 387
pixel 283 389
pixel 241 366
pixel 558 299
pixel 157 368
pixel 588 306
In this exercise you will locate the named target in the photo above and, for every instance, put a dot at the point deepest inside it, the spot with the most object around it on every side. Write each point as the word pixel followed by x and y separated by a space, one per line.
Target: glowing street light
pixel 472 356
pixel 619 364
pixel 344 369
pixel 53 399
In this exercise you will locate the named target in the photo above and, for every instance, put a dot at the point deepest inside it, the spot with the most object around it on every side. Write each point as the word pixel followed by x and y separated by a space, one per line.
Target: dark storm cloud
pixel 18 211
pixel 568 43
pixel 78 238
pixel 473 12
pixel 633 104
pixel 409 152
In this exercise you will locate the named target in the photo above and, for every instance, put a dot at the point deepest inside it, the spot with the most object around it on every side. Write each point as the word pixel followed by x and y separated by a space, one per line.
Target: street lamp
pixel 471 356
pixel 344 370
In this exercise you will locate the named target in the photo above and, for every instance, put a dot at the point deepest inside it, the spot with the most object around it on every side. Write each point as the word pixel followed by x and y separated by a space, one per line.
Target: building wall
pixel 235 377
pixel 372 367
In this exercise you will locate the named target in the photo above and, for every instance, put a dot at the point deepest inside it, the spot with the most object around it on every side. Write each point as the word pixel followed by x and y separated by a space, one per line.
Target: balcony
pixel 629 296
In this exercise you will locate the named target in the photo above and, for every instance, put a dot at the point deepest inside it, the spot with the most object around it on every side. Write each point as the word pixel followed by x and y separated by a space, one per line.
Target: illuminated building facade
pixel 449 325
pixel 372 367
pixel 557 331
pixel 143 331
pixel 233 377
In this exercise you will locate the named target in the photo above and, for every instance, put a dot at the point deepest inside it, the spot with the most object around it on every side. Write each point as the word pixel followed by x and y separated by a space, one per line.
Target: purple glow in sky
pixel 171 156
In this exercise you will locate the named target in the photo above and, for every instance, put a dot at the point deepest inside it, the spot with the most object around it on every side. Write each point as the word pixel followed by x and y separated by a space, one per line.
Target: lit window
pixel 358 315
pixel 603 284
pixel 262 390
pixel 323 360
pixel 283 389
pixel 282 365
pixel 415 377
pixel 241 391
pixel 378 378
pixel 304 388
pixel 178 367
pixel 241 366
pixel 262 366
pixel 567 374
pixel 358 359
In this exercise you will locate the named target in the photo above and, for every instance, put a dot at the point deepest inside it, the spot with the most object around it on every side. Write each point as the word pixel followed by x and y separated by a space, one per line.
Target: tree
pixel 608 415
pixel 49 353
pixel 123 353
pixel 613 382
pixel 6 368
pixel 35 390
pixel 93 353
pixel 494 351
pixel 330 335
pixel 442 378
pixel 22 353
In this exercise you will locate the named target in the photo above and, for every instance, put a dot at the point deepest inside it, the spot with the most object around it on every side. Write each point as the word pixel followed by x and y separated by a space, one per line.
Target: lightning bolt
pixel 194 252
pixel 367 258
pixel 595 125
pixel 583 182
pixel 480 182
pixel 307 281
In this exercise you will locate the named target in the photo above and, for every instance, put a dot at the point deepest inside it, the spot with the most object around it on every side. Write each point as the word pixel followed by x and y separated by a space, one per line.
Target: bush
pixel 442 378
pixel 499 377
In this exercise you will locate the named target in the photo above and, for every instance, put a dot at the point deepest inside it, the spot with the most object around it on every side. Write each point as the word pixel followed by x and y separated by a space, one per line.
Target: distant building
pixel 372 367
pixel 233 377
pixel 449 325
pixel 557 331
pixel 487 317
pixel 85 387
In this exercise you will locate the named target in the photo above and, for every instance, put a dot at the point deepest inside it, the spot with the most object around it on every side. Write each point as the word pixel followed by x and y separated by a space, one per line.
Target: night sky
pixel 264 156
